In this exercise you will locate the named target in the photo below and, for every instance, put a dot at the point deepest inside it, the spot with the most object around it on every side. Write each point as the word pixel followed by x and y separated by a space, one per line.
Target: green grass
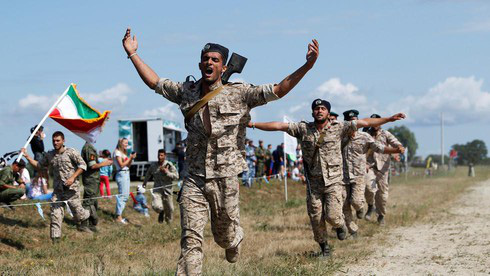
pixel 278 237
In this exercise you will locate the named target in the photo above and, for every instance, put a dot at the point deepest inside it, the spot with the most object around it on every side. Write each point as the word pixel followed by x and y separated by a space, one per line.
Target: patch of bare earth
pixel 456 242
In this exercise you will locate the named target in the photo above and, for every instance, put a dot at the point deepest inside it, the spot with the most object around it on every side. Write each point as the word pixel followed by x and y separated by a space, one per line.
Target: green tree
pixel 407 138
pixel 472 152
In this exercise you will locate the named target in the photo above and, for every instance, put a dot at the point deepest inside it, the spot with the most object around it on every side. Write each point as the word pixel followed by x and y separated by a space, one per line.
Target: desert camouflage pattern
pixel 354 149
pixel 324 205
pixel 327 162
pixel 72 196
pixel 64 166
pixel 380 161
pixel 201 197
pixel 346 208
pixel 219 153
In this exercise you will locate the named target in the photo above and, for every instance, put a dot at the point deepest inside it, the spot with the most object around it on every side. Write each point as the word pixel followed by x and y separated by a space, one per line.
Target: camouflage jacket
pixel 260 154
pixel 90 156
pixel 7 177
pixel 64 166
pixel 327 162
pixel 160 178
pixel 380 161
pixel 222 152
pixel 354 149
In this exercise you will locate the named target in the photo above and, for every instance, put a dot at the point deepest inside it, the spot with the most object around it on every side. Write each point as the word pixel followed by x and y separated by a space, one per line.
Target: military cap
pixel 213 47
pixel 319 102
pixel 349 114
pixel 34 127
pixel 375 116
pixel 334 114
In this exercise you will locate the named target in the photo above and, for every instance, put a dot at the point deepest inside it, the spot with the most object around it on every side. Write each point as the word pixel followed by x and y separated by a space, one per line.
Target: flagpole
pixel 44 119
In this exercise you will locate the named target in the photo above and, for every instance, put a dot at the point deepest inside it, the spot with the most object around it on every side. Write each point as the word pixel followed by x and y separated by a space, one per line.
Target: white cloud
pixel 461 99
pixel 111 98
pixel 168 111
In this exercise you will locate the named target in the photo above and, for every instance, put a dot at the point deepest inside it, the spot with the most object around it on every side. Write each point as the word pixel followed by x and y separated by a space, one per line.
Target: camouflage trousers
pixel 324 204
pixel 356 192
pixel 347 193
pixel 58 212
pixel 199 198
pixel 380 196
pixel 162 202
pixel 371 187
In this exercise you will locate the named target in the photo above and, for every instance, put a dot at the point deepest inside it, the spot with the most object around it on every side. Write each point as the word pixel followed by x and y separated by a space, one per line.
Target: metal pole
pixel 442 139
pixel 44 119
pixel 286 175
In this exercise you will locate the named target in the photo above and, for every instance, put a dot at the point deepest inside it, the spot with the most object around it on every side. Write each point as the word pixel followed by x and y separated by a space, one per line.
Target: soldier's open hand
pixel 398 116
pixel 130 44
pixel 313 52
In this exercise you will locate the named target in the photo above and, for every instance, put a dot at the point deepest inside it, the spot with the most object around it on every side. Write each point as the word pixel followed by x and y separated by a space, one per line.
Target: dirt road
pixel 457 243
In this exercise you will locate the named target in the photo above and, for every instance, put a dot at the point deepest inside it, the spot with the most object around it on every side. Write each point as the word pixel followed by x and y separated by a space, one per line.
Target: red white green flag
pixel 78 116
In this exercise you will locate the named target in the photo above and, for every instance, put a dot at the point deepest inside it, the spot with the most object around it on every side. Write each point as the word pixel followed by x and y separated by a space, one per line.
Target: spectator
pixel 123 162
pixel 37 143
pixel 268 160
pixel 8 192
pixel 180 152
pixel 251 160
pixel 140 203
pixel 105 173
pixel 38 188
pixel 278 157
pixel 296 174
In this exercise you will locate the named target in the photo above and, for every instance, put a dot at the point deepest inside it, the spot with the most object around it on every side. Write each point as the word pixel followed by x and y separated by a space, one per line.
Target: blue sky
pixel 420 57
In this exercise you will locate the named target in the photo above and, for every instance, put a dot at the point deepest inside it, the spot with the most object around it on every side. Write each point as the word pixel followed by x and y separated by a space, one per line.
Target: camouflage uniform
pixel 64 166
pixel 91 181
pixel 260 154
pixel 380 164
pixel 324 172
pixel 214 160
pixel 162 193
pixel 7 177
pixel 354 149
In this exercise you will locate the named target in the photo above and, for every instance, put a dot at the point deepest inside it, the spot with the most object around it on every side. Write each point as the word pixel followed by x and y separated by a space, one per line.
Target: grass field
pixel 278 236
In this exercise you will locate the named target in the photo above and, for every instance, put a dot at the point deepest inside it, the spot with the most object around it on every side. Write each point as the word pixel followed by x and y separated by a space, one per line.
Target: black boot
pixel 341 232
pixel 360 213
pixel 381 220
pixel 369 212
pixel 84 226
pixel 325 250
pixel 161 217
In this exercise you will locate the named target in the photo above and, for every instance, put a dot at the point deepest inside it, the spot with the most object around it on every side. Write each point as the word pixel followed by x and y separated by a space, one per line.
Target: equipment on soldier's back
pixel 6 157
pixel 235 65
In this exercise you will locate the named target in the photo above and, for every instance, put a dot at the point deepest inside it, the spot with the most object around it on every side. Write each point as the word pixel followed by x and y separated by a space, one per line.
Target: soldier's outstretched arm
pixel 146 73
pixel 290 81
pixel 269 126
pixel 374 122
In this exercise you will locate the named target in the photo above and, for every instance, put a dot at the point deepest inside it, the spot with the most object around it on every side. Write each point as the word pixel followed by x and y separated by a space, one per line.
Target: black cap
pixel 349 114
pixel 213 47
pixel 334 114
pixel 375 116
pixel 34 127
pixel 319 102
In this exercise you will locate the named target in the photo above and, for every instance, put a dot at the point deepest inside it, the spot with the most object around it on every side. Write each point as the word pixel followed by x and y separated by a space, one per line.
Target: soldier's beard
pixel 320 121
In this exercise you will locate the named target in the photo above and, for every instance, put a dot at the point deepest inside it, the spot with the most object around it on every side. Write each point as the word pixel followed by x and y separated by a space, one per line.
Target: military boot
pixel 360 213
pixel 94 218
pixel 369 212
pixel 325 250
pixel 381 220
pixel 84 226
pixel 161 217
pixel 232 254
pixel 341 232
pixel 56 240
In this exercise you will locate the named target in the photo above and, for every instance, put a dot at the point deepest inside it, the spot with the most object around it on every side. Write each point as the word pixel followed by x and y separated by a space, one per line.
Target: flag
pixel 290 143
pixel 78 116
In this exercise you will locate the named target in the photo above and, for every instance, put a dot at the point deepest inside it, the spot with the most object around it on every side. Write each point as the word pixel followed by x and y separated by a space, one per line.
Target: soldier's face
pixel 161 157
pixel 211 67
pixel 58 142
pixel 320 113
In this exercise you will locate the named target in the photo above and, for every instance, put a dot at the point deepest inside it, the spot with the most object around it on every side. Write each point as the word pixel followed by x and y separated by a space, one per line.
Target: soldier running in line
pixel 354 149
pixel 321 145
pixel 216 118
pixel 380 164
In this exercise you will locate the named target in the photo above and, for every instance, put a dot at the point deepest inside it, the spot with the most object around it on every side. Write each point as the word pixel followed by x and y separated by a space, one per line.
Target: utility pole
pixel 442 139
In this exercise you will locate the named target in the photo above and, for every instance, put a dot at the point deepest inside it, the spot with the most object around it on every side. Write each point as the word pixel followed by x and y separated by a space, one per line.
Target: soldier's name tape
pixel 105 197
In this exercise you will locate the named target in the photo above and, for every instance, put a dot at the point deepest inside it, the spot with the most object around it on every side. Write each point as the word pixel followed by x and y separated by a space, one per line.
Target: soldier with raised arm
pixel 216 118
pixel 354 149
pixel 380 164
pixel 321 145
